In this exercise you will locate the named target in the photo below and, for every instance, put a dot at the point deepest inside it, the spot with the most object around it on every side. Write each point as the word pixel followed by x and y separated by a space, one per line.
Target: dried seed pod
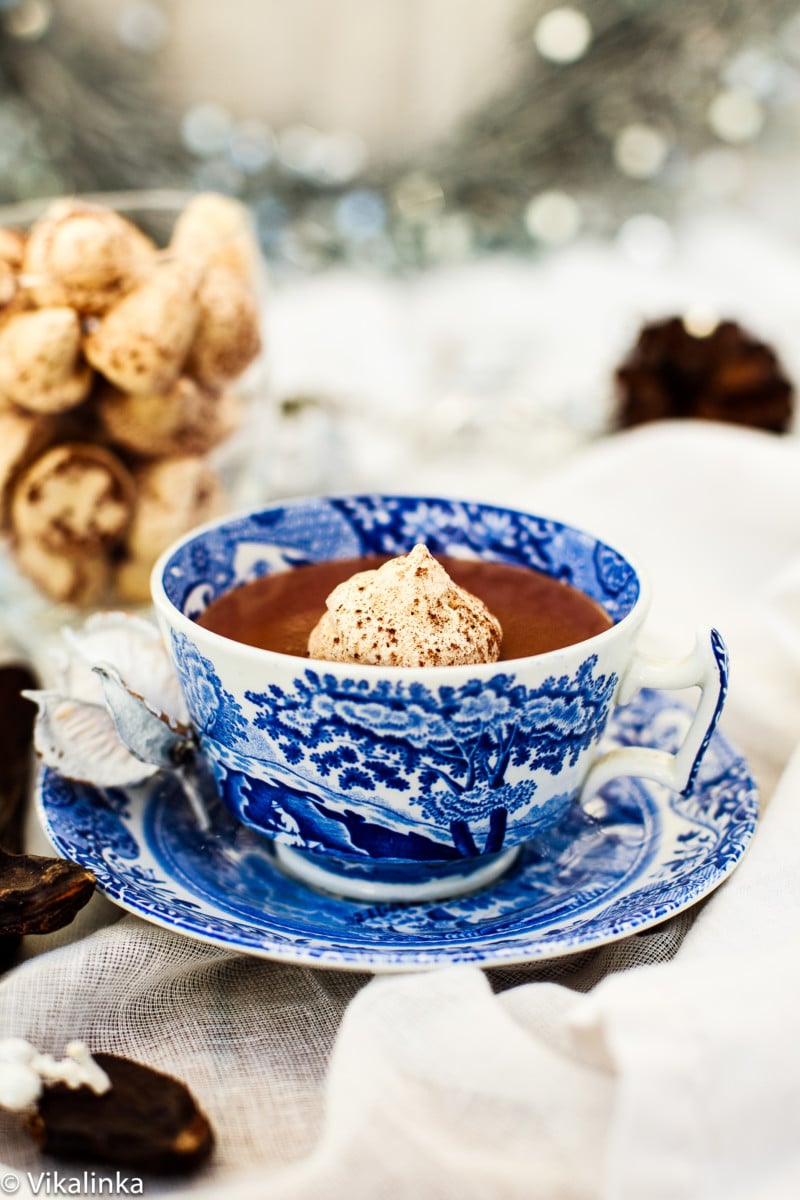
pixel 187 419
pixel 142 342
pixel 16 735
pixel 218 231
pixel 41 368
pixel 146 1120
pixel 725 375
pixel 38 895
pixel 22 438
pixel 228 337
pixel 76 498
pixel 173 495
pixel 85 256
pixel 66 578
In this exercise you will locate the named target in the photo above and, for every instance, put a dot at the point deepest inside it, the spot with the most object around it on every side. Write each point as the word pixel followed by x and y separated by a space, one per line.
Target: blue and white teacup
pixel 406 783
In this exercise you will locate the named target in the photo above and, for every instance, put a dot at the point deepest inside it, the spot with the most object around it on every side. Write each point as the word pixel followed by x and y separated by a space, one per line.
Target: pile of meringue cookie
pixel 116 364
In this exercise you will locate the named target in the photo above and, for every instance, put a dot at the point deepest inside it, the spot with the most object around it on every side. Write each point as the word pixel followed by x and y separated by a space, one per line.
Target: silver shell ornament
pixel 115 715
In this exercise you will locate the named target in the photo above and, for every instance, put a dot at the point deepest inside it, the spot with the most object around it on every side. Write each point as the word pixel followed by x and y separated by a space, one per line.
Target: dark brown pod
pixel 146 1120
pixel 726 375
pixel 16 737
pixel 38 895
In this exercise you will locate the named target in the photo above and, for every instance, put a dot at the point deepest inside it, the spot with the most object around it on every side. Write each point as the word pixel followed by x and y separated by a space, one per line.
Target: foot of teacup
pixel 348 887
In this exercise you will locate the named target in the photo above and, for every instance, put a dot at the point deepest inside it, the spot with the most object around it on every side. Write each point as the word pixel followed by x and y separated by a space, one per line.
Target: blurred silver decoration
pixel 251 146
pixel 360 215
pixel 700 320
pixel 615 111
pixel 143 27
pixel 418 196
pixel 29 20
pixel 736 115
pixel 719 173
pixel 563 35
pixel 80 104
pixel 640 151
pixel 205 129
pixel 553 218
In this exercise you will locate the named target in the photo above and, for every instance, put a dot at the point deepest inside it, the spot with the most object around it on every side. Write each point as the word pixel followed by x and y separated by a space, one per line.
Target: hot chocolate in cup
pixel 416 783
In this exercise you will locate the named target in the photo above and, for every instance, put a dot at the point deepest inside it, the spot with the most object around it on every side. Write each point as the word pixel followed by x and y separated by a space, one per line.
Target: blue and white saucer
pixel 637 855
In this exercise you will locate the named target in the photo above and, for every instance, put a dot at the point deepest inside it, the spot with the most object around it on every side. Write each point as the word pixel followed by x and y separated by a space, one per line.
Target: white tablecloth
pixel 679 1078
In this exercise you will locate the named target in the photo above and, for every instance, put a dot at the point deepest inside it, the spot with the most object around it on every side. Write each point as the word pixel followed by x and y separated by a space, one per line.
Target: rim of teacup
pixel 256 654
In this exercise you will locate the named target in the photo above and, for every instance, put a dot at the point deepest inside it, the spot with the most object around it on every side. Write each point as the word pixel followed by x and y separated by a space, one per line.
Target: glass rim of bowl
pixel 22 212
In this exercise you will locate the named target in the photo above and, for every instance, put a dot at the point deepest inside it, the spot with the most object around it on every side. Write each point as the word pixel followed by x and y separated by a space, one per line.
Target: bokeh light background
pixel 467 210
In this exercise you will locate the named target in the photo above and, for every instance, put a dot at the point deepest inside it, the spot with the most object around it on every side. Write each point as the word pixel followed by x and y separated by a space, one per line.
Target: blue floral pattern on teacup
pixel 248 547
pixel 451 766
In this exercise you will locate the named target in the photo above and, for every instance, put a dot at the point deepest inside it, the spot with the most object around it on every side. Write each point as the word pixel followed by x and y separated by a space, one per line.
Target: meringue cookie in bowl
pixel 130 344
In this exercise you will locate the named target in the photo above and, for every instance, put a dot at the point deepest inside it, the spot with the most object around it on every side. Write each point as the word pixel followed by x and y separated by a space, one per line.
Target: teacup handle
pixel 707 668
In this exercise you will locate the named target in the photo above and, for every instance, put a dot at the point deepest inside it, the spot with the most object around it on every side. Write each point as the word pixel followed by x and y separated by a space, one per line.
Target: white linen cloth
pixel 679 1079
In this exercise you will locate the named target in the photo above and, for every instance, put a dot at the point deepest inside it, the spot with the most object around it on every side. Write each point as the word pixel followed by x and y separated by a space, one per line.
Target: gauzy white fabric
pixel 581 1078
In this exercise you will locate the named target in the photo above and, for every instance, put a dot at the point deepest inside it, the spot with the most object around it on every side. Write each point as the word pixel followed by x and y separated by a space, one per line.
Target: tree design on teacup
pixel 458 758
pixel 456 755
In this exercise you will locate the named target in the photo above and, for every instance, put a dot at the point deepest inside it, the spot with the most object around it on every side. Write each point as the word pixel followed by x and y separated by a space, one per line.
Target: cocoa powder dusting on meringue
pixel 406 613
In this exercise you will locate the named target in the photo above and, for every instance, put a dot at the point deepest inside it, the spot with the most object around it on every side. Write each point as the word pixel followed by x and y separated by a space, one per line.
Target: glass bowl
pixel 191 446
